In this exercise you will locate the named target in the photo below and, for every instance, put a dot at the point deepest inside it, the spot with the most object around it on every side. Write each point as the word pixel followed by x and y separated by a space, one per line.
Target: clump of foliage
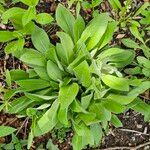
pixel 76 83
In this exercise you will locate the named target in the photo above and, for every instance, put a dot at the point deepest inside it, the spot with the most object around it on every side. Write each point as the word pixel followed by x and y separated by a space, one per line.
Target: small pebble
pixel 139 126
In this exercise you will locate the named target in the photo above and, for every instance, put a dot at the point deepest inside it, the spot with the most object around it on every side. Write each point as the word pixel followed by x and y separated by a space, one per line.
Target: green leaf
pixel 48 121
pixel 130 43
pixel 82 72
pixel 78 28
pixel 67 45
pixel 30 139
pixel 65 19
pixel 6 130
pixel 66 96
pixel 18 74
pixel 133 71
pixel 28 15
pixel 44 18
pixel 8 78
pixel 109 52
pixel 33 57
pixel 40 40
pixel 122 59
pixel 95 30
pixel 108 34
pixel 12 12
pixel 77 142
pixel 116 83
pixel 143 61
pixel 15 47
pixel 53 71
pixel 42 72
pixel 134 30
pixel 33 84
pixel 115 4
pixel 143 7
pixel 115 121
pixel 113 106
pixel 6 36
pixel 76 107
pixel 140 89
pixel 19 105
pixel 29 2
pixel 97 133
pixel 122 99
pixel 85 100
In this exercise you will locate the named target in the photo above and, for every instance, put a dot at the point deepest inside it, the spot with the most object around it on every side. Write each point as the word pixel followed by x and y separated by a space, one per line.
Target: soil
pixel 134 135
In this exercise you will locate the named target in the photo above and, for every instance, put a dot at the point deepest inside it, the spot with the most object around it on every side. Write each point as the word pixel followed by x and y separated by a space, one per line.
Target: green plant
pixel 125 16
pixel 24 25
pixel 76 84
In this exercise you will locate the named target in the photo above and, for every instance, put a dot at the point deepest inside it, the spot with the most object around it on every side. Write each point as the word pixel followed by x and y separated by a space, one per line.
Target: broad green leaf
pixel 108 34
pixel 67 94
pixel 48 121
pixel 134 30
pixel 95 30
pixel 88 118
pixel 53 71
pixel 28 15
pixel 33 84
pixel 122 99
pixel 84 131
pixel 122 59
pixel 63 116
pixel 78 28
pixel 82 72
pixel 76 107
pixel 40 40
pixel 97 132
pixel 18 74
pixel 130 43
pixel 85 100
pixel 115 121
pixel 30 2
pixel 143 61
pixel 77 142
pixel 42 72
pixel 120 84
pixel 10 13
pixel 140 89
pixel 44 18
pixel 33 57
pixel 102 114
pixel 65 19
pixel 113 106
pixel 109 52
pixel 6 130
pixel 67 45
pixel 133 71
pixel 140 106
pixel 6 36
